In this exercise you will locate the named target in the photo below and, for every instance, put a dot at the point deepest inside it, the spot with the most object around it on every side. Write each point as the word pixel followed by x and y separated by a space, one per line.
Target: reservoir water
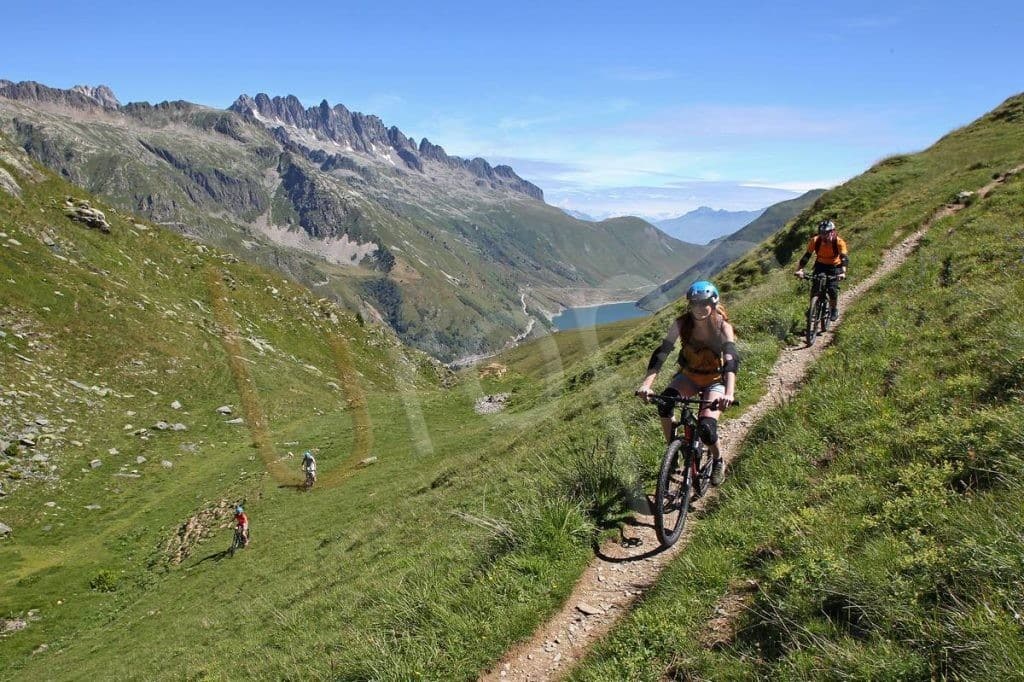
pixel 593 315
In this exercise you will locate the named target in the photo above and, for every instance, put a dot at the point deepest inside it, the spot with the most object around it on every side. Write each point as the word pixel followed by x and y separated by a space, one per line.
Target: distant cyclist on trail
pixel 242 524
pixel 708 362
pixel 309 466
pixel 830 258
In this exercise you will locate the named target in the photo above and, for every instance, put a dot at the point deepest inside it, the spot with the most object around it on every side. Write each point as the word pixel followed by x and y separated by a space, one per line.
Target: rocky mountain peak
pixel 79 97
pixel 367 134
pixel 101 93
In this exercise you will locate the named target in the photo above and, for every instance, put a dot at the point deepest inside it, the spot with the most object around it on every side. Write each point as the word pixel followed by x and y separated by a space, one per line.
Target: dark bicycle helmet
pixel 826 226
pixel 702 290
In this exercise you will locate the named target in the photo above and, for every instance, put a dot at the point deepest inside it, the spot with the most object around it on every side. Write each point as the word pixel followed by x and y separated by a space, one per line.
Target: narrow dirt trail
pixel 619 574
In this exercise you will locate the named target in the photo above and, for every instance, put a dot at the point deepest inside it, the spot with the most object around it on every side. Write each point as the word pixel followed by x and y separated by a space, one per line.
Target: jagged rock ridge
pixel 367 134
pixel 80 96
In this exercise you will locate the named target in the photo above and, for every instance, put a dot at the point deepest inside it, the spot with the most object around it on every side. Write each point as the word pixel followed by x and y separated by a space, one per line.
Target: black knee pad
pixel 707 427
pixel 665 411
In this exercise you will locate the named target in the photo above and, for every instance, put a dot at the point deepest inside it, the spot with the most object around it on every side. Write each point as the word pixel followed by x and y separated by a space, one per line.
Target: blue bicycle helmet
pixel 702 290
pixel 238 509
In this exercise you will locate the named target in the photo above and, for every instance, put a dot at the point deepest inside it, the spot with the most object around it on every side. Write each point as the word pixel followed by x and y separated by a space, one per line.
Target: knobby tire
pixel 672 496
pixel 704 465
pixel 812 320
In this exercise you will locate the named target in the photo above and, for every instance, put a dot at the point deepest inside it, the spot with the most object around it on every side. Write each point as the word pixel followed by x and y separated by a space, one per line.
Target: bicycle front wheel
pixel 672 496
pixel 825 309
pixel 812 319
pixel 703 466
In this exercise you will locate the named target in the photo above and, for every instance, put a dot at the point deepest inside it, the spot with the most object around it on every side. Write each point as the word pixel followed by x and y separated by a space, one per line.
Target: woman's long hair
pixel 717 317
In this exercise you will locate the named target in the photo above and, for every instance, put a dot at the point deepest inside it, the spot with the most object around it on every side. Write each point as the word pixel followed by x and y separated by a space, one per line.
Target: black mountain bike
pixel 685 468
pixel 237 542
pixel 820 308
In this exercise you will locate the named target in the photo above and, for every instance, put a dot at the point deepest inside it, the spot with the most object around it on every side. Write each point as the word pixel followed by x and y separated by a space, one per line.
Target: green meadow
pixel 869 526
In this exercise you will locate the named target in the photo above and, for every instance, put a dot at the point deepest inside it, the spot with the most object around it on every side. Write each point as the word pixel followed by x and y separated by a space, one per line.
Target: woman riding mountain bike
pixel 240 540
pixel 309 467
pixel 831 259
pixel 708 362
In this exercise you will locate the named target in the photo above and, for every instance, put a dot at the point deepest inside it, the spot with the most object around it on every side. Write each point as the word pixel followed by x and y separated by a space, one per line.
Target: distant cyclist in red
pixel 242 524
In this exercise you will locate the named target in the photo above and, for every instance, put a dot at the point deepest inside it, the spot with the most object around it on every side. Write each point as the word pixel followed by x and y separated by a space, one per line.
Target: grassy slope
pixel 879 512
pixel 467 532
pixel 464 256
pixel 348 558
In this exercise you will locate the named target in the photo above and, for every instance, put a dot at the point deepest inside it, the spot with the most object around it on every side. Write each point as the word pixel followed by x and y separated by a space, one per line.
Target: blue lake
pixel 593 315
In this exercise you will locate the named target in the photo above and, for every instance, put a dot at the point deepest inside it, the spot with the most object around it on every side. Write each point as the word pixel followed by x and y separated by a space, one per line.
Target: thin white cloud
pixel 795 185
pixel 745 121
pixel 638 74
pixel 662 203
pixel 522 123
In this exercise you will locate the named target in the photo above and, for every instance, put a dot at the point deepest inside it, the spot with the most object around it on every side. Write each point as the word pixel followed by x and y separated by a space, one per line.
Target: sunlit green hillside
pixel 875 512
pixel 872 527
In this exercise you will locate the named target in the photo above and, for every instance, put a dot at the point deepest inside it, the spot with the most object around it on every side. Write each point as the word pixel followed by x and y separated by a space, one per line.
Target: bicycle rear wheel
pixel 825 310
pixel 672 496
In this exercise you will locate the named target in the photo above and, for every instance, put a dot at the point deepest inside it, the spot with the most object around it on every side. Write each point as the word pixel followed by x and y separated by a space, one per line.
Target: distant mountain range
pixel 579 215
pixel 730 248
pixel 704 224
pixel 456 255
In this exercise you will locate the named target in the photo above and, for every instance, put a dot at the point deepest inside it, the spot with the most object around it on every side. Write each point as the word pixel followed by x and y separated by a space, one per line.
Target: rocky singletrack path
pixel 622 572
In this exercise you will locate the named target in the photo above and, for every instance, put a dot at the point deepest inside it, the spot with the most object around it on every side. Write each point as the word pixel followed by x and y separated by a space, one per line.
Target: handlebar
pixel 822 275
pixel 665 401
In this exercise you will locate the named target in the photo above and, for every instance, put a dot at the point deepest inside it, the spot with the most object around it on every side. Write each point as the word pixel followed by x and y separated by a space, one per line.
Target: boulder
pixel 80 210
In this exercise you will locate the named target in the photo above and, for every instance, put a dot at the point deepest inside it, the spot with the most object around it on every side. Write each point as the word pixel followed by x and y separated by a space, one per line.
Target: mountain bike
pixel 820 308
pixel 237 542
pixel 685 469
pixel 310 479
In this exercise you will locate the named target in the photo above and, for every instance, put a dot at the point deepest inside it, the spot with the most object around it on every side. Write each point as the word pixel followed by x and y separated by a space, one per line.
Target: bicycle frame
pixel 818 310
pixel 688 422
pixel 819 282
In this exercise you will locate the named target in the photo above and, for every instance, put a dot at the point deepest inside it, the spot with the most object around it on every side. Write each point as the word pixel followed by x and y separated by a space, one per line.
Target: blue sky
pixel 650 108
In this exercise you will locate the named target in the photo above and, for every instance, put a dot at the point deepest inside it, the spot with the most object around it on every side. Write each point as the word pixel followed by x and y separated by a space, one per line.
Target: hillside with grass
pixel 864 511
pixel 872 527
pixel 454 255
